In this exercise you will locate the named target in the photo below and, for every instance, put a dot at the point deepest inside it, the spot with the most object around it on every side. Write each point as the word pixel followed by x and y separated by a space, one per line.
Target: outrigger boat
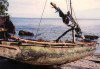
pixel 46 52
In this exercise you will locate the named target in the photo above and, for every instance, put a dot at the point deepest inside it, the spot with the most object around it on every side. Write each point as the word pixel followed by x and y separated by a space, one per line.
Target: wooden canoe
pixel 39 55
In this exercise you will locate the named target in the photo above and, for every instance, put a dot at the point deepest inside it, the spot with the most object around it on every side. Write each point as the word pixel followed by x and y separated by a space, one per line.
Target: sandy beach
pixel 90 62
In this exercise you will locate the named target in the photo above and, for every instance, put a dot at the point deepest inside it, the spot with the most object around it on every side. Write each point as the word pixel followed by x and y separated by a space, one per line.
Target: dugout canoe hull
pixel 37 55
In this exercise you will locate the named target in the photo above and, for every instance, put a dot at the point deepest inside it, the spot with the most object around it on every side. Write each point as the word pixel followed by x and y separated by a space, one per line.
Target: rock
pixel 91 37
pixel 25 33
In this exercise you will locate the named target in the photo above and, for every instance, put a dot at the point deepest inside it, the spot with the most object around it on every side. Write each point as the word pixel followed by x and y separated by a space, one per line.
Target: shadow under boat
pixel 6 63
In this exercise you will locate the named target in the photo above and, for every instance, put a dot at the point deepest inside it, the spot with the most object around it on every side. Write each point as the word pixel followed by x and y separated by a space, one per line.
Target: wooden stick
pixel 11 47
pixel 43 43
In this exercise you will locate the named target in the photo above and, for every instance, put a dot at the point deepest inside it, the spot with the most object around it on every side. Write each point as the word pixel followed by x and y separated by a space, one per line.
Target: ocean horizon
pixel 53 18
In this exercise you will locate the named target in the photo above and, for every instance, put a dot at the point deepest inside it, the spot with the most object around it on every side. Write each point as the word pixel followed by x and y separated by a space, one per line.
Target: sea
pixel 52 28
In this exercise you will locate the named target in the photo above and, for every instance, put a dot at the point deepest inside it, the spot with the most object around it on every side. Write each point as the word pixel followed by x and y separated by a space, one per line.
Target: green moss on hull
pixel 52 56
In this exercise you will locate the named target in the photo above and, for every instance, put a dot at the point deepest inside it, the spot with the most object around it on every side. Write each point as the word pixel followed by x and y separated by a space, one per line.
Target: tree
pixel 3 7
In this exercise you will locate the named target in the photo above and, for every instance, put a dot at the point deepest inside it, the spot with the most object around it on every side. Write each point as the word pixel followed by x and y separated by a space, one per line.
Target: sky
pixel 87 9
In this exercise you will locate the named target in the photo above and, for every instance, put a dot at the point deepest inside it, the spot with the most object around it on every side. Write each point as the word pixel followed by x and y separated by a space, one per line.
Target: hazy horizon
pixel 84 9
pixel 56 18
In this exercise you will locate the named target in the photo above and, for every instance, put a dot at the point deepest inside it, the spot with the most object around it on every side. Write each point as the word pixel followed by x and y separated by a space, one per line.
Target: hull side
pixel 45 56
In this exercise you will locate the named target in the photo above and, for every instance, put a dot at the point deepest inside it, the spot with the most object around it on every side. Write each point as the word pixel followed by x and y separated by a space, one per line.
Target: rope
pixel 74 15
pixel 41 19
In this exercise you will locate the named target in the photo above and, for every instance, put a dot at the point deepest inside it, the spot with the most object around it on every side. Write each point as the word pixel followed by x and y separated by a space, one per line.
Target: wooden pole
pixel 71 7
pixel 43 43
pixel 73 32
pixel 73 35
pixel 63 34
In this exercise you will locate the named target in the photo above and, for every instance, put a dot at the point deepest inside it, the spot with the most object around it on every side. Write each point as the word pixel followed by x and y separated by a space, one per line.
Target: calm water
pixel 52 28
